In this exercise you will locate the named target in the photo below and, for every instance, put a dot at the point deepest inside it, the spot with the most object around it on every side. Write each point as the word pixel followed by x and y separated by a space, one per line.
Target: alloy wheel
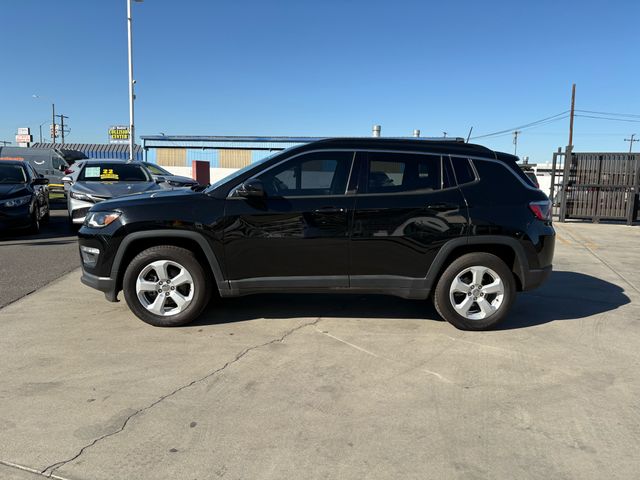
pixel 165 288
pixel 477 292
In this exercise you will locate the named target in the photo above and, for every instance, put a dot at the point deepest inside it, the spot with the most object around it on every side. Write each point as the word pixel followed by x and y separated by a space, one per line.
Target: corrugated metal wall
pixel 234 158
pixel 171 157
pixel 207 155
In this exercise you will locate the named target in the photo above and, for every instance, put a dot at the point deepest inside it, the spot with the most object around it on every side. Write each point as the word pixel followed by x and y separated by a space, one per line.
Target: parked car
pixel 48 162
pixel 99 180
pixel 24 196
pixel 167 179
pixel 412 218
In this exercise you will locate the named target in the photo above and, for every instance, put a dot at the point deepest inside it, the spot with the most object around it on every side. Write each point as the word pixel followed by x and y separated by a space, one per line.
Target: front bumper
pixel 104 284
pixel 78 209
pixel 15 217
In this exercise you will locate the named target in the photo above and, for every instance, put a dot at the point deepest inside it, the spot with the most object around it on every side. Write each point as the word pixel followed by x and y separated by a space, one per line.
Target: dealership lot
pixel 310 386
pixel 29 262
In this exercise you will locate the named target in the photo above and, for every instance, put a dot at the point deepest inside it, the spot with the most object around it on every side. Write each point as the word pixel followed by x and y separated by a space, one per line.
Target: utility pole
pixel 573 104
pixel 515 141
pixel 53 118
pixel 62 117
pixel 132 132
pixel 5 143
pixel 631 140
pixel 445 134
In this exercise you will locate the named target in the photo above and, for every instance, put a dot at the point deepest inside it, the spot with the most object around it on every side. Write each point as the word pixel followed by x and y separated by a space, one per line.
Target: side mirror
pixel 40 181
pixel 62 168
pixel 160 179
pixel 252 188
pixel 66 179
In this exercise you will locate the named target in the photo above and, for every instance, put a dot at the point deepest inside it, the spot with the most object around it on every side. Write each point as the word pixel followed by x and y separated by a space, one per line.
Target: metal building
pixel 96 150
pixel 222 152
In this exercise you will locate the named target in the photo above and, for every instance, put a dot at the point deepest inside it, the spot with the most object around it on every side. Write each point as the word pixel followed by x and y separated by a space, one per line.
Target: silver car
pixel 99 180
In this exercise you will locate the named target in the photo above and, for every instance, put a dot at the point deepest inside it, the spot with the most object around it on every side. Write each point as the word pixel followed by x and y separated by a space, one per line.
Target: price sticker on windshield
pixel 92 172
pixel 109 174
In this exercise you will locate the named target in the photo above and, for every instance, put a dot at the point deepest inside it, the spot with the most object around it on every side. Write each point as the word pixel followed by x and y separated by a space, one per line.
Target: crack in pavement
pixel 53 467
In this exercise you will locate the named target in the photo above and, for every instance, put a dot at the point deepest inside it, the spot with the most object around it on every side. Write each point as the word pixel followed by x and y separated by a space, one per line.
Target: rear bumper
pixel 104 284
pixel 534 278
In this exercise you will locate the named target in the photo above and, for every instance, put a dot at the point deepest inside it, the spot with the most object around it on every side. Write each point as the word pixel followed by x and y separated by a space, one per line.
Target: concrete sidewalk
pixel 355 387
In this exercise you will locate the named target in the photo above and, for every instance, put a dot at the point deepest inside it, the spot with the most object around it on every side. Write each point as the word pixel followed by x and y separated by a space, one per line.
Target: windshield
pixel 12 174
pixel 113 172
pixel 238 173
pixel 156 170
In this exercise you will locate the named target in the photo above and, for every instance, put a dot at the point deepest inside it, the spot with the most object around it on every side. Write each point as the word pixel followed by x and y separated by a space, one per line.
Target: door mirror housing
pixel 252 188
pixel 62 168
pixel 160 179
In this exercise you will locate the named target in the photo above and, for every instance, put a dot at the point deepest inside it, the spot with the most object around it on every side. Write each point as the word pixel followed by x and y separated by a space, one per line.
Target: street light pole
pixel 132 134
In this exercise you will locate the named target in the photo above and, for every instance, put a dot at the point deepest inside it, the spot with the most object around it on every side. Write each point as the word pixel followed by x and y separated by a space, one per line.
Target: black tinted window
pixel 12 174
pixel 113 172
pixel 58 163
pixel 403 172
pixel 320 173
pixel 463 170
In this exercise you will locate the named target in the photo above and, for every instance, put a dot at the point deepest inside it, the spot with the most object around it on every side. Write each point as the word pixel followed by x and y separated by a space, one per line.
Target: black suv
pixel 411 218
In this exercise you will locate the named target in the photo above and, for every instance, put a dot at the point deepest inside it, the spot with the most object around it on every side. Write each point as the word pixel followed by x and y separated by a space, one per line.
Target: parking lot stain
pixel 193 424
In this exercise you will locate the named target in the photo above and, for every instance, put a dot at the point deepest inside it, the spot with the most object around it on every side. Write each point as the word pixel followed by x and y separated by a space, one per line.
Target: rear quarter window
pixel 463 170
pixel 498 183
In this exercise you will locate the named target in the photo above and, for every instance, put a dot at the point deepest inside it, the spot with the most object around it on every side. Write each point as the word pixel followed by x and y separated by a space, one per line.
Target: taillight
pixel 542 210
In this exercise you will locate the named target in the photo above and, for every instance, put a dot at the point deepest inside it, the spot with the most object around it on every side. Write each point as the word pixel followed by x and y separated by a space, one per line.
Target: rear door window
pixel 402 172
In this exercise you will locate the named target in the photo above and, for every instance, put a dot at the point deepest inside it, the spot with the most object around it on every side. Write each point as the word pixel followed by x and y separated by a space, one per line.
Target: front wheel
pixel 475 292
pixel 165 286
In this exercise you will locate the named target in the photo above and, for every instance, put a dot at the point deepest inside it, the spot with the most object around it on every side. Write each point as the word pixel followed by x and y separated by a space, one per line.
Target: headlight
pixel 80 196
pixel 100 219
pixel 17 202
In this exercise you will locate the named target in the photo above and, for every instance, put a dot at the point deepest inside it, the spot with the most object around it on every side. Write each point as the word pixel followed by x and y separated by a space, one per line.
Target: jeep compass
pixel 419 219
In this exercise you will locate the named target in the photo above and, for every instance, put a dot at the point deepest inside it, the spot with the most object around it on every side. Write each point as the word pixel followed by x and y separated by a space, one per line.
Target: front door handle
pixel 443 206
pixel 329 210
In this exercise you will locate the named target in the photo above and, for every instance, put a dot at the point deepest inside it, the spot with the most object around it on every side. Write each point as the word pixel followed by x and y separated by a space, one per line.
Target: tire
pixel 476 308
pixel 185 286
pixel 34 228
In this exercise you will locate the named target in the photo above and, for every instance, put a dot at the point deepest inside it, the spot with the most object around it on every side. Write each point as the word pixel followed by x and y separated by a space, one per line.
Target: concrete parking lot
pixel 282 387
pixel 29 262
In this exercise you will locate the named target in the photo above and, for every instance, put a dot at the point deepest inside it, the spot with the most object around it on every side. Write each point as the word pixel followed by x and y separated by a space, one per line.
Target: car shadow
pixel 565 296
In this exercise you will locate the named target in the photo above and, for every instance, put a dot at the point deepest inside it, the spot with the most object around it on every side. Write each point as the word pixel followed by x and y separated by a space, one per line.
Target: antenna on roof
pixel 469 136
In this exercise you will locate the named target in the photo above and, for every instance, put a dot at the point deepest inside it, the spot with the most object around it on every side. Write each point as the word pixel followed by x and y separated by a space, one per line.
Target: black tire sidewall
pixel 443 303
pixel 175 254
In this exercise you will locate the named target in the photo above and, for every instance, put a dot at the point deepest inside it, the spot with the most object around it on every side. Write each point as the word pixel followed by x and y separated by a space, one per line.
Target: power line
pixel 610 113
pixel 609 118
pixel 542 121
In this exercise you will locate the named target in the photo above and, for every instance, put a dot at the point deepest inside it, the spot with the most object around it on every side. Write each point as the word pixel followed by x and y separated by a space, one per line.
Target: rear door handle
pixel 329 210
pixel 443 206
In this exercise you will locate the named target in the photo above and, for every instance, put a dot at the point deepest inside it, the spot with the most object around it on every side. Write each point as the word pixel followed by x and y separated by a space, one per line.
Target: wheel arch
pixel 508 249
pixel 135 243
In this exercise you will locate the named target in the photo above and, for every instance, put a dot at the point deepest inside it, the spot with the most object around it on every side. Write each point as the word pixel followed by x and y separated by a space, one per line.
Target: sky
pixel 329 68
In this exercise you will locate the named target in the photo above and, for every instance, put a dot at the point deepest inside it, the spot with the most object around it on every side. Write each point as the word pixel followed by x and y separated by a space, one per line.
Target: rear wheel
pixel 475 292
pixel 165 286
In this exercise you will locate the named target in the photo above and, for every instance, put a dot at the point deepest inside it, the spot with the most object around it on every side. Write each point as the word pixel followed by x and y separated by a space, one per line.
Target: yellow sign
pixel 118 134
pixel 108 174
